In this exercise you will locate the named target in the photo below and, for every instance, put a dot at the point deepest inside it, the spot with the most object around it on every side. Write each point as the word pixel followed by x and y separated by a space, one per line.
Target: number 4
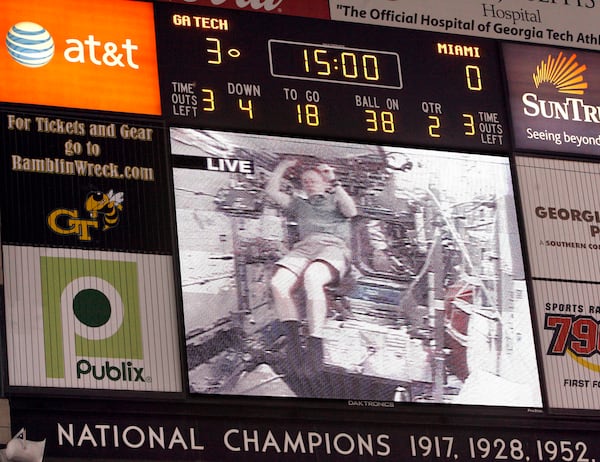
pixel 248 107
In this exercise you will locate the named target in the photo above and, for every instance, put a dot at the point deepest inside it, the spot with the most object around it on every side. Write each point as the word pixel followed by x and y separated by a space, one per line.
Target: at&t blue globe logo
pixel 30 44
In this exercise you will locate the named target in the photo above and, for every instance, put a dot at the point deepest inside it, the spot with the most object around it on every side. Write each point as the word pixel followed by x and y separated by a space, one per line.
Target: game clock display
pixel 308 61
pixel 298 76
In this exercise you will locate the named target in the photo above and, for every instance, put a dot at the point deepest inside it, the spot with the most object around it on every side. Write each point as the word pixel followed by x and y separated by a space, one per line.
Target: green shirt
pixel 319 214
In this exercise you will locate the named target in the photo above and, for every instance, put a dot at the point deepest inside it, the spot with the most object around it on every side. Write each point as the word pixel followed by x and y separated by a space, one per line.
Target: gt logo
pixel 67 222
pixel 102 207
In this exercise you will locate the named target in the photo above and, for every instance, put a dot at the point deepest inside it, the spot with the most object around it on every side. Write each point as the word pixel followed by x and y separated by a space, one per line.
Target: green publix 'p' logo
pixel 91 314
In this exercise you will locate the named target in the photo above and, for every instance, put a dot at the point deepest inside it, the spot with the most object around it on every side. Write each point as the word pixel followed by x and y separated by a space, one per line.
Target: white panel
pixel 563 236
pixel 557 23
pixel 571 372
pixel 142 284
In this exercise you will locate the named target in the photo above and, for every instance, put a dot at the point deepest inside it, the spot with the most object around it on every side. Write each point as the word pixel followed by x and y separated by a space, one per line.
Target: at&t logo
pixel 31 45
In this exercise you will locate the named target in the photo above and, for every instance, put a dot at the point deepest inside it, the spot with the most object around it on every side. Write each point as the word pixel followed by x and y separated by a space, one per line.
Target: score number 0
pixel 384 120
pixel 473 81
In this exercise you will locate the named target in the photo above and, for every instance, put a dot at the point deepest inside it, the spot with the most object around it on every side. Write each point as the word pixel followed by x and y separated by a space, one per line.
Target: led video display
pixel 333 270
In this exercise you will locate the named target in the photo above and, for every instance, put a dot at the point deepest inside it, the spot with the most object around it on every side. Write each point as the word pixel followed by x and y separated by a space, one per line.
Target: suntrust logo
pixel 564 75
pixel 554 98
pixel 99 56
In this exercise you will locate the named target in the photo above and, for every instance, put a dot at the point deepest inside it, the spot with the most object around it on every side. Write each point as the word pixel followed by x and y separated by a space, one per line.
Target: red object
pixel 309 9
pixel 458 309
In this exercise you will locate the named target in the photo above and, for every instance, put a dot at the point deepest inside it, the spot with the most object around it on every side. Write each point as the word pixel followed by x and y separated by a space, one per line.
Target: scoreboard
pixel 334 80
pixel 293 236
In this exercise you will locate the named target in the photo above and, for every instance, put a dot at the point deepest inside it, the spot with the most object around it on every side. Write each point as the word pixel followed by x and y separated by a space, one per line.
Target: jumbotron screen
pixel 366 208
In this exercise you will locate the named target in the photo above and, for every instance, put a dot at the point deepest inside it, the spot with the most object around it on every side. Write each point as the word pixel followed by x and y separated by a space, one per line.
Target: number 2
pixel 434 126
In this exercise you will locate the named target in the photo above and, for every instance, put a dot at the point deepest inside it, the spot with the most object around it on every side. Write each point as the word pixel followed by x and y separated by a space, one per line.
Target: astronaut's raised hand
pixel 287 163
pixel 327 172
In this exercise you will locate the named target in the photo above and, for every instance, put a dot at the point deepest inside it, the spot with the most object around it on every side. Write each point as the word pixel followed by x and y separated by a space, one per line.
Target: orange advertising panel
pixel 92 55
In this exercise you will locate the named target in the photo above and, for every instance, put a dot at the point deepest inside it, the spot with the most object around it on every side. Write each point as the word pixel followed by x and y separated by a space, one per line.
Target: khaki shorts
pixel 318 247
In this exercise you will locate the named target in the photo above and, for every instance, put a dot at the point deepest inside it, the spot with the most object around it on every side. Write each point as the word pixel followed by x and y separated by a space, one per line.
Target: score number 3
pixel 436 124
pixel 208 103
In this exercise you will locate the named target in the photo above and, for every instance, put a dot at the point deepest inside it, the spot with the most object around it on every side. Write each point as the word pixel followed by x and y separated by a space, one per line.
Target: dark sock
pixel 319 380
pixel 294 347
pixel 314 355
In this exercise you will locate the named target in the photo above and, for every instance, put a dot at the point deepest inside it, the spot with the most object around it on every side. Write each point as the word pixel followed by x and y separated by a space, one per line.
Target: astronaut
pixel 321 257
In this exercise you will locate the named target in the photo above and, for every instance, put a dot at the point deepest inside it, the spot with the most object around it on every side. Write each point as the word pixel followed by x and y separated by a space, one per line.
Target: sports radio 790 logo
pixel 91 313
pixel 576 336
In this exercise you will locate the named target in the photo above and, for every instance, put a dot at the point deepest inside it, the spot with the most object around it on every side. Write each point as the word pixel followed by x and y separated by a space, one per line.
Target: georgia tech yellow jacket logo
pixel 105 206
pixel 103 209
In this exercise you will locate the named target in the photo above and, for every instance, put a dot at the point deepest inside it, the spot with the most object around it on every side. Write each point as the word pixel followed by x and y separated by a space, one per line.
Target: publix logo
pixel 31 45
pixel 92 325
